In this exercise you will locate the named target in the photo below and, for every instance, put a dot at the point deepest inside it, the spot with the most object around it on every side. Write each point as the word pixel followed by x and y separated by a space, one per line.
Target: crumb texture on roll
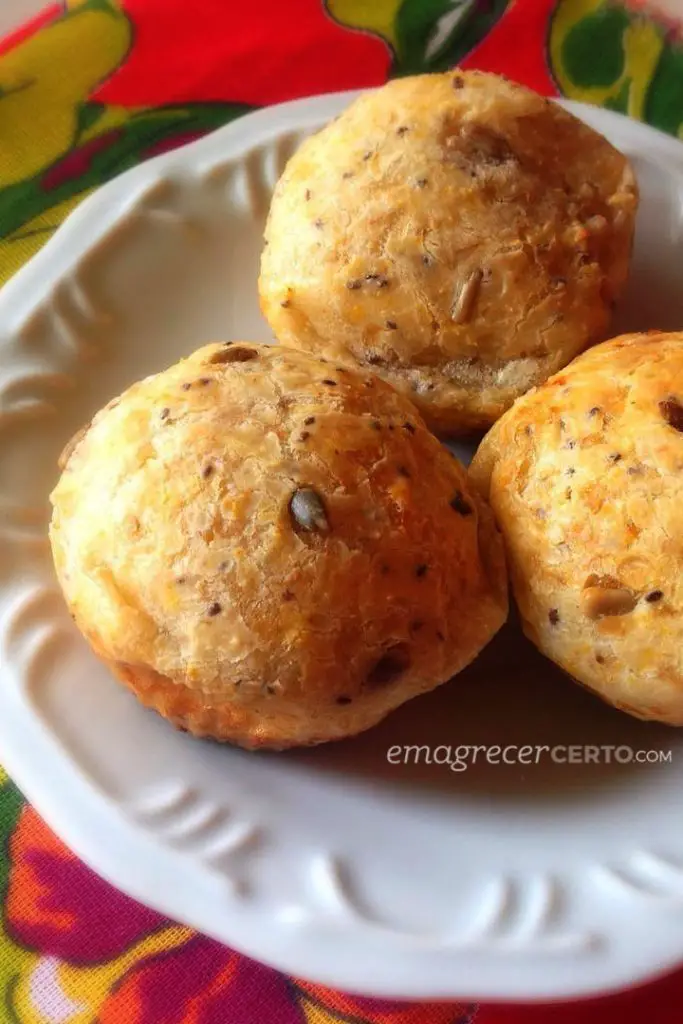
pixel 585 477
pixel 457 233
pixel 271 549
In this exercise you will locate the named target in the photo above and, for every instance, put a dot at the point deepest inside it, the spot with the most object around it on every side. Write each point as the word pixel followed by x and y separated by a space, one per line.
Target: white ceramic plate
pixel 532 882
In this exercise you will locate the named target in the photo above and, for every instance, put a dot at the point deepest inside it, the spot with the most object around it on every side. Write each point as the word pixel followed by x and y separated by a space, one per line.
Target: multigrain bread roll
pixel 585 476
pixel 458 234
pixel 272 550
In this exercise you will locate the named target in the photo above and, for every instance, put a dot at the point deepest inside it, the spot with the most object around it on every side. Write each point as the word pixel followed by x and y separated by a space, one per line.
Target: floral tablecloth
pixel 87 90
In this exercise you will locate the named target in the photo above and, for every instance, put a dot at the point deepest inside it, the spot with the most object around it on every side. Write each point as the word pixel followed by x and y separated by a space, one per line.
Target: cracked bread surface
pixel 273 550
pixel 458 234
pixel 584 476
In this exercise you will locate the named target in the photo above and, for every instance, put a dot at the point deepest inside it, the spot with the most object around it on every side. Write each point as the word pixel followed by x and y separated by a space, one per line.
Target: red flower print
pixel 202 983
pixel 360 1010
pixel 57 906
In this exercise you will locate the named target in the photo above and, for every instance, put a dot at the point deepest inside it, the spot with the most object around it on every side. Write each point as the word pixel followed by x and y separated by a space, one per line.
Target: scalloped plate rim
pixel 20 732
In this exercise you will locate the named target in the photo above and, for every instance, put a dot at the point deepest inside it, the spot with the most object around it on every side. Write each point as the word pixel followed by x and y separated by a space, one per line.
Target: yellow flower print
pixel 18 247
pixel 602 54
pixel 424 35
pixel 49 989
pixel 37 90
pixel 376 16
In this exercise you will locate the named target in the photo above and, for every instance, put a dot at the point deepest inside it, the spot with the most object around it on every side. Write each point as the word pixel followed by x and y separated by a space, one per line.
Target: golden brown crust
pixel 274 550
pixel 457 233
pixel 584 475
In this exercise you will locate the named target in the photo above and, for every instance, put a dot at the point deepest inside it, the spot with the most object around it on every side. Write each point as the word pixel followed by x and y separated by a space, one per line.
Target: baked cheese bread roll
pixel 273 550
pixel 585 476
pixel 458 234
